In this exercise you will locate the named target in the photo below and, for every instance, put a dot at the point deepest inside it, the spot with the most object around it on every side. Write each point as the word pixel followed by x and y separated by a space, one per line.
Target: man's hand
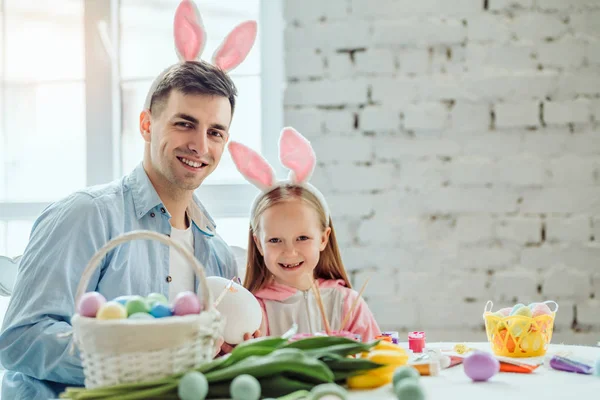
pixel 228 348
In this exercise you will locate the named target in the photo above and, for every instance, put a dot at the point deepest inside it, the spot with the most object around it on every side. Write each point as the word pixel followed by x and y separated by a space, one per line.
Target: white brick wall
pixel 459 149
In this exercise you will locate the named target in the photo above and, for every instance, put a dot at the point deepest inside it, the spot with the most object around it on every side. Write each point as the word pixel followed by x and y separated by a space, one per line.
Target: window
pixel 77 73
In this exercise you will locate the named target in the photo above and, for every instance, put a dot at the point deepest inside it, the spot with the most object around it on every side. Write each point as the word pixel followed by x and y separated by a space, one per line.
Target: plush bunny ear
pixel 236 46
pixel 296 154
pixel 190 36
pixel 252 166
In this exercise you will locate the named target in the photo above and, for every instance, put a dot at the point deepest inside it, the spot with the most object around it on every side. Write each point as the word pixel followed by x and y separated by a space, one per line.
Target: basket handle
pixel 552 302
pixel 488 306
pixel 146 235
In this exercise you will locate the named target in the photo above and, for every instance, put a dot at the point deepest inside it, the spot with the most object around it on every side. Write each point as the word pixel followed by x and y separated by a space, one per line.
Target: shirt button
pixel 169 279
pixel 152 215
pixel 162 210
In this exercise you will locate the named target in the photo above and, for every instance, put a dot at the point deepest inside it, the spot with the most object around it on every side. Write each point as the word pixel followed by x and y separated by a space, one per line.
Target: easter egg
pixel 481 366
pixel 328 390
pixel 532 342
pixel 136 304
pixel 186 303
pixel 404 372
pixel 531 305
pixel 504 311
pixel 245 387
pixel 112 310
pixel 409 389
pixel 240 308
pixel 123 299
pixel 540 309
pixel 520 326
pixel 160 310
pixel 517 307
pixel 140 315
pixel 90 303
pixel 154 298
pixel 193 386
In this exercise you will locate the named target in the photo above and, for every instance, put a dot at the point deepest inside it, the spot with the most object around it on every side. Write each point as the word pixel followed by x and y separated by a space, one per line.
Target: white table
pixel 543 384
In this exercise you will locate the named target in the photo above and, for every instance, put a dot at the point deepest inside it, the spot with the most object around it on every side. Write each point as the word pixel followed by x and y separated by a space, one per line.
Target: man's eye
pixel 184 125
pixel 215 133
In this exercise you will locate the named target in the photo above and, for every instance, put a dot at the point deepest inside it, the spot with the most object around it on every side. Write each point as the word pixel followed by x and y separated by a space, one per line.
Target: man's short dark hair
pixel 193 77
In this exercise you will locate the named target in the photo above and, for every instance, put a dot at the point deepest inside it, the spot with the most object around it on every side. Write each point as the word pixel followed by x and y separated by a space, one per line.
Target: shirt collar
pixel 145 198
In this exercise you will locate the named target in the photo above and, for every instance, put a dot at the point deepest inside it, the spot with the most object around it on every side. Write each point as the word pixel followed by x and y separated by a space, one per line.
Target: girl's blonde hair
pixel 330 264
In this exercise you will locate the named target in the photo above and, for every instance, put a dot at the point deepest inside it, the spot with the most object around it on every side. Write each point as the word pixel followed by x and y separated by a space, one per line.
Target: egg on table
pixel 240 308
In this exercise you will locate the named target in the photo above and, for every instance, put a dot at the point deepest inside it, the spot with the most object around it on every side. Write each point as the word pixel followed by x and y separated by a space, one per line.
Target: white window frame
pixel 103 108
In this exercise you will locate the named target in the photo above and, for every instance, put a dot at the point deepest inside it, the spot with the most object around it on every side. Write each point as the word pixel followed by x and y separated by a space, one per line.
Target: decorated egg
pixel 540 309
pixel 481 366
pixel 90 303
pixel 154 298
pixel 186 303
pixel 112 310
pixel 159 310
pixel 240 308
pixel 136 304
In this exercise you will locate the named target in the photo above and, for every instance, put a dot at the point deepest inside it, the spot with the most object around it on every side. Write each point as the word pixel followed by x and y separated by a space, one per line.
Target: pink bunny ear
pixel 296 154
pixel 236 46
pixel 252 166
pixel 190 36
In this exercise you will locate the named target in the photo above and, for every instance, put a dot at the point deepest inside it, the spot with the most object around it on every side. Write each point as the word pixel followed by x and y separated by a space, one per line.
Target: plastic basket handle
pixel 144 235
pixel 488 306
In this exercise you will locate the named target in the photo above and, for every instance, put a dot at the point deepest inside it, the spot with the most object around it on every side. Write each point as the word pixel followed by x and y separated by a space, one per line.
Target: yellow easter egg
pixel 112 310
pixel 520 326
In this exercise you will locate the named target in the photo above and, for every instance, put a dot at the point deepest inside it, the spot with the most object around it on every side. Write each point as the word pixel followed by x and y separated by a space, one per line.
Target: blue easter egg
pixel 123 299
pixel 160 310
pixel 532 306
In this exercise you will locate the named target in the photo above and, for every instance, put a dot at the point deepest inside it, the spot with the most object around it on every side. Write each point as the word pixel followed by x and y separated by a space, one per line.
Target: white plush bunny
pixel 190 40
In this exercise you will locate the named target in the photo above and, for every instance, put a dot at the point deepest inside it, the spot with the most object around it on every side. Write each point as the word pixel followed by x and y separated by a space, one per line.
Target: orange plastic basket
pixel 519 335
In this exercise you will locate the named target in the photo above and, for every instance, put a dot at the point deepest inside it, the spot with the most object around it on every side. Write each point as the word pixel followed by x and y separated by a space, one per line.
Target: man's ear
pixel 145 125
pixel 258 245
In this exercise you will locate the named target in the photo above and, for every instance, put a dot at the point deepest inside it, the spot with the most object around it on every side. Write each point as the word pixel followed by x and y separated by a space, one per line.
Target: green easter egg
pixel 137 304
pixel 404 372
pixel 245 387
pixel 140 315
pixel 524 311
pixel 327 389
pixel 409 389
pixel 516 307
pixel 154 298
pixel 193 386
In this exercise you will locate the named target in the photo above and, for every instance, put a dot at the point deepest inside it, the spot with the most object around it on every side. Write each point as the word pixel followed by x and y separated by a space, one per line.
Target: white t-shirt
pixel 180 271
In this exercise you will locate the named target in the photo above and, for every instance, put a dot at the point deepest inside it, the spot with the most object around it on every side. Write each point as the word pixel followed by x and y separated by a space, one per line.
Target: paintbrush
pixel 224 292
pixel 317 295
pixel 347 317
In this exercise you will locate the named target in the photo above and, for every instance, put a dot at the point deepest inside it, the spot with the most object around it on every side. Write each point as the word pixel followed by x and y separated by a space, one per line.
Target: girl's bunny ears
pixel 295 153
pixel 190 40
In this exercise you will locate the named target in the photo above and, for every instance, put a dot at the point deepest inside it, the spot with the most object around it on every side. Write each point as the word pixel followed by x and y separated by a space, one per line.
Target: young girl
pixel 292 245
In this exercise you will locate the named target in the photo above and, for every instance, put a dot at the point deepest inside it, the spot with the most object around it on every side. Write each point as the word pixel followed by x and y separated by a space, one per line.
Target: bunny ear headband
pixel 190 40
pixel 295 153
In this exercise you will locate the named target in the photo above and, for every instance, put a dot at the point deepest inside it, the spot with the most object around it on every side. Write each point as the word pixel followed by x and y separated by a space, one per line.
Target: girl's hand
pixel 228 348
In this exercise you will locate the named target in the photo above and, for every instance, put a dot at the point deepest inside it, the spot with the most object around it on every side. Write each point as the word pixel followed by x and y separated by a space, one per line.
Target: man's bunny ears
pixel 190 40
pixel 295 153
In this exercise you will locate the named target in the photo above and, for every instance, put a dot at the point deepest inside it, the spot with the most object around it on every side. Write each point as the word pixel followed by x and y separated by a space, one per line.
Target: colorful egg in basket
pixel 124 348
pixel 525 332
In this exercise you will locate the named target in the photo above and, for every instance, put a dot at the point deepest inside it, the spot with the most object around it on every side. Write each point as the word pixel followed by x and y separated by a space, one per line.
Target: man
pixel 185 127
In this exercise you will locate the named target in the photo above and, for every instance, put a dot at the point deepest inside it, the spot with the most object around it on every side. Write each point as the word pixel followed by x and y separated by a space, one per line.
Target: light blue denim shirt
pixel 63 240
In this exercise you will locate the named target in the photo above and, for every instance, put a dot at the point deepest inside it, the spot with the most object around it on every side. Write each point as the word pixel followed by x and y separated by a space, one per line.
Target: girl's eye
pixel 303 238
pixel 274 240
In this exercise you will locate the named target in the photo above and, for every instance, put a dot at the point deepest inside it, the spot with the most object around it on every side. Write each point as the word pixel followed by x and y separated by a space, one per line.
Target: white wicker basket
pixel 129 351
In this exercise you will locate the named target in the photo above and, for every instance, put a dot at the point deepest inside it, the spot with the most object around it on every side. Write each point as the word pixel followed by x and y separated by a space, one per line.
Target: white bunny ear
pixel 236 46
pixel 296 154
pixel 190 36
pixel 252 166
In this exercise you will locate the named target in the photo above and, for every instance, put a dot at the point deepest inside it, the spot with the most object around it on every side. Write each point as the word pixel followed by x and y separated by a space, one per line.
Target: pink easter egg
pixel 505 311
pixel 540 309
pixel 186 303
pixel 90 303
